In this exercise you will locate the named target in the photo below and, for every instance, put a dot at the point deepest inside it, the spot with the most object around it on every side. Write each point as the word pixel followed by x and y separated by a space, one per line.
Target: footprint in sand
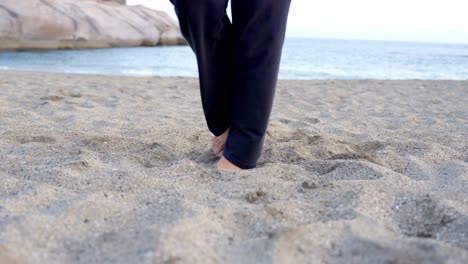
pixel 37 139
pixel 252 197
pixel 335 206
pixel 350 170
pixel 358 250
pixel 148 155
pixel 423 216
pixel 312 120
pixel 52 98
pixel 282 154
pixel 154 155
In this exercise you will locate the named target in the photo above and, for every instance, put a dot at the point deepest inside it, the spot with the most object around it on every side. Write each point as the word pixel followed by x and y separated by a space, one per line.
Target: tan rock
pixel 66 24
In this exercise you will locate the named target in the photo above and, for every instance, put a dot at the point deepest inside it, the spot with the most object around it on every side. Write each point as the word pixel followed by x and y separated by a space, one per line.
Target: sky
pixel 443 21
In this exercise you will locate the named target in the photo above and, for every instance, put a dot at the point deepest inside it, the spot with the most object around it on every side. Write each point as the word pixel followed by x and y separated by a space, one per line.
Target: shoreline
pixel 13 71
pixel 99 168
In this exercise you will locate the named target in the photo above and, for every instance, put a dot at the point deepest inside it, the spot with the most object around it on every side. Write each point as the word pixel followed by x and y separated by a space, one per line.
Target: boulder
pixel 71 24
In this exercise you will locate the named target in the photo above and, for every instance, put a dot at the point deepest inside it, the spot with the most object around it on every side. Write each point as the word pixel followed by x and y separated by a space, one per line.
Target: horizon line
pixel 379 40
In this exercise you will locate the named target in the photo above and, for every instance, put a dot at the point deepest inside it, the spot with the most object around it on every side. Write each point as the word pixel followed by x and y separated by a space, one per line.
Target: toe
pixel 215 142
pixel 218 149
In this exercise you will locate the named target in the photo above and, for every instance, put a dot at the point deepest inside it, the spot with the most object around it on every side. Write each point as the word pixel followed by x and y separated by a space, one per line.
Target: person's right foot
pixel 219 142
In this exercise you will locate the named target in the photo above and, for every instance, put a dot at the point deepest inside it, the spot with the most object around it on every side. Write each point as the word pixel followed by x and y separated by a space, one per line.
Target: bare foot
pixel 219 142
pixel 224 164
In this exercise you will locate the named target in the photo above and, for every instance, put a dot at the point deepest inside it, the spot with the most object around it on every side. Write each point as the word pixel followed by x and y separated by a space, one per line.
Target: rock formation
pixel 69 24
pixel 123 2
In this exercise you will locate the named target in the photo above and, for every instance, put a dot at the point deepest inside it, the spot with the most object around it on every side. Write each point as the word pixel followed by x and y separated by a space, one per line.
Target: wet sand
pixel 111 169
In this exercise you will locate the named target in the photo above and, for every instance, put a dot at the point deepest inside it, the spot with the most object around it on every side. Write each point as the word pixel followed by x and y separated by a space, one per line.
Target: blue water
pixel 302 59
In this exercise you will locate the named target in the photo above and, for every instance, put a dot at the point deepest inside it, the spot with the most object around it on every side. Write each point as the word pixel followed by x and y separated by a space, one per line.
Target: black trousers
pixel 238 65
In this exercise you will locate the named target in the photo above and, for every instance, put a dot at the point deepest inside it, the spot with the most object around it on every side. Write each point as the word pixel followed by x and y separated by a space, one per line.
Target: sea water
pixel 301 59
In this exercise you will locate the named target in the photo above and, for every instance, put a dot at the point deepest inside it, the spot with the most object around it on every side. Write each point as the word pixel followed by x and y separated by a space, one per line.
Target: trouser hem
pixel 237 162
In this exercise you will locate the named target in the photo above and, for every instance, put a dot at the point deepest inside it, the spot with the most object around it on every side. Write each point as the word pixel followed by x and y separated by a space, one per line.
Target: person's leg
pixel 259 29
pixel 207 28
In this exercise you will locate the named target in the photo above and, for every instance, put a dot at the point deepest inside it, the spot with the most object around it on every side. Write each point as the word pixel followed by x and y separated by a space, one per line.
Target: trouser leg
pixel 208 30
pixel 258 28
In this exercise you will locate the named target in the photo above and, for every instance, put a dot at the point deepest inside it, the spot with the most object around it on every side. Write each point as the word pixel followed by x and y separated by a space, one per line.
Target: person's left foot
pixel 219 142
pixel 224 164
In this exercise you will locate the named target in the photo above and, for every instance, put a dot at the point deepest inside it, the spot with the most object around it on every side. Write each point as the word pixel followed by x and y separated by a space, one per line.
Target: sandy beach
pixel 112 169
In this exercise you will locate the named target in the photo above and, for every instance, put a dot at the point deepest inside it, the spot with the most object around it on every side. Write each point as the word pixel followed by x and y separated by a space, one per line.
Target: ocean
pixel 301 59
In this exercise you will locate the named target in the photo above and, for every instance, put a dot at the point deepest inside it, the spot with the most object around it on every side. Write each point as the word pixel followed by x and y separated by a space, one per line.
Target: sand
pixel 110 169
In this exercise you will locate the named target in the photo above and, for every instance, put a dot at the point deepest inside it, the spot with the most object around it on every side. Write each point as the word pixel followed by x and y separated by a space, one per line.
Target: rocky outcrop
pixel 123 2
pixel 70 24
